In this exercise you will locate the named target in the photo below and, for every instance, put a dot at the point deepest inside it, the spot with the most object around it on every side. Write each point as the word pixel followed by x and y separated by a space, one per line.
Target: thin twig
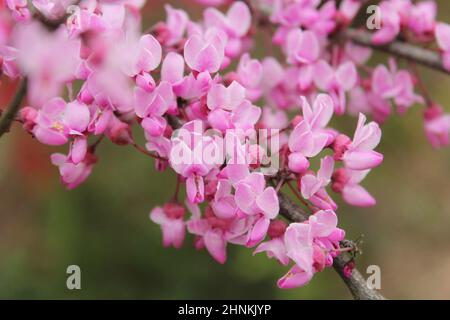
pixel 398 48
pixel 10 114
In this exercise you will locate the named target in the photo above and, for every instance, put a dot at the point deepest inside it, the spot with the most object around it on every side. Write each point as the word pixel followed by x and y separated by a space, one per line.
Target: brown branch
pixel 13 108
pixel 356 283
pixel 398 48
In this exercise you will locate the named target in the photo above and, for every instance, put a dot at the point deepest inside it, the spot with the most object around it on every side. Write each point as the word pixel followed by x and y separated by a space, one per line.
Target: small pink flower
pixel 347 182
pixel 151 106
pixel 224 205
pixel 309 136
pixel 249 72
pixel 73 174
pixel 252 196
pixel 275 247
pixel 302 47
pixel 359 154
pixel 393 84
pixel 49 60
pixel 205 52
pixel 390 24
pixel 171 32
pixel 189 159
pixel 348 9
pixel 170 218
pixel 56 121
pixel 244 117
pixel 310 183
pixel 147 55
pixel 172 69
pixel 19 9
pixel 235 23
pixel 310 245
pixel 214 233
pixel 422 17
pixel 437 126
pixel 8 64
pixel 442 33
pixel 227 98
pixel 337 81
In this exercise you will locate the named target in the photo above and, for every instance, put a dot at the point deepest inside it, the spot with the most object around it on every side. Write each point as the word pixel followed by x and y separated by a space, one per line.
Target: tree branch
pixel 398 48
pixel 10 113
pixel 356 283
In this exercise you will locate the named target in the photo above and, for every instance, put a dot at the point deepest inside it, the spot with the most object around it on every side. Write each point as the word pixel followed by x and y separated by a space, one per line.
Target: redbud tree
pixel 235 129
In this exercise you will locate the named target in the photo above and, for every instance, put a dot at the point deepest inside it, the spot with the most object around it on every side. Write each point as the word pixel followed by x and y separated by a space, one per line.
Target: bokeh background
pixel 103 226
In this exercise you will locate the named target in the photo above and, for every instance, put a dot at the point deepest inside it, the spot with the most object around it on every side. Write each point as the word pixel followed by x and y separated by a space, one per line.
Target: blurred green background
pixel 103 226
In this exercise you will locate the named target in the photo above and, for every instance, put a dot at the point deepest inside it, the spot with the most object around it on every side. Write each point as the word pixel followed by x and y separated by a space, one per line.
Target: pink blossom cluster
pixel 98 75
pixel 303 32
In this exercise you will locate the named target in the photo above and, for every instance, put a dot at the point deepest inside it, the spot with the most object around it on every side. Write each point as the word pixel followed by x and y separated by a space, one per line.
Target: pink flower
pixel 252 196
pixel 205 52
pixel 437 126
pixel 337 81
pixel 244 117
pixel 170 218
pixel 390 24
pixel 255 199
pixel 309 136
pixel 422 17
pixel 73 174
pixel 393 84
pixel 49 60
pixel 235 23
pixel 311 246
pixel 358 54
pixel 151 106
pixel 189 158
pixel 224 205
pixel 214 233
pixel 227 98
pixel 275 247
pixel 172 69
pixel 171 32
pixel 145 55
pixel 249 72
pixel 310 183
pixel 19 9
pixel 347 182
pixel 8 64
pixel 56 121
pixel 359 154
pixel 325 20
pixel 302 47
pixel 442 33
pixel 348 9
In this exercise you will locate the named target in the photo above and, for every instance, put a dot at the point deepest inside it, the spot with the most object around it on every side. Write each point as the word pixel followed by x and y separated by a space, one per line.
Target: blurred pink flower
pixel 170 218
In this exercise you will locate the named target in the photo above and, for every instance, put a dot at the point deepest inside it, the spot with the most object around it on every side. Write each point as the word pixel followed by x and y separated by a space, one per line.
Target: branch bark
pixel 398 48
pixel 356 283
pixel 11 111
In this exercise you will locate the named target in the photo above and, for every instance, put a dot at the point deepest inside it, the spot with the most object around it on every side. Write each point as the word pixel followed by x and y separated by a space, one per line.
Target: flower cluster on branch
pixel 205 103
